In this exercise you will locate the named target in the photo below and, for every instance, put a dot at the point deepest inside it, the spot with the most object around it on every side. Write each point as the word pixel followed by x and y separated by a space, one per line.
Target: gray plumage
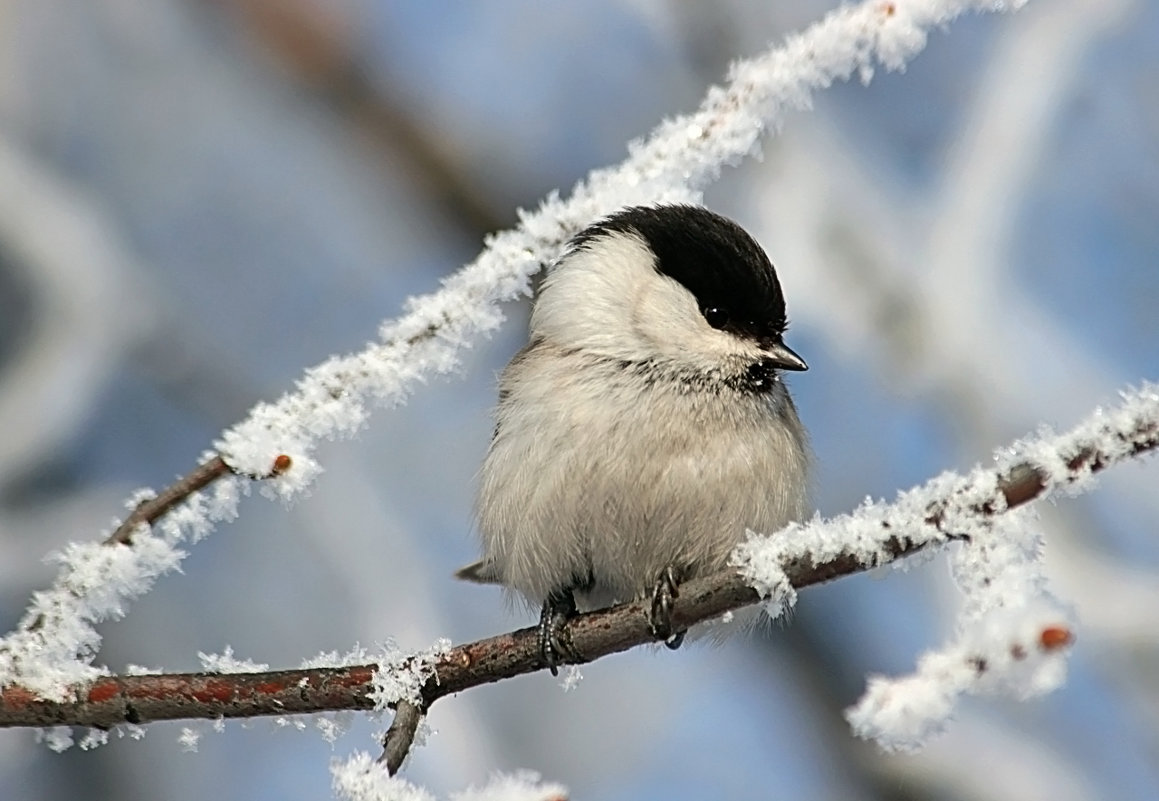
pixel 645 425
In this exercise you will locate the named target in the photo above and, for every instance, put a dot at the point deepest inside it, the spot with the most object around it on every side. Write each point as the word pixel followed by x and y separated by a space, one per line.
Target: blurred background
pixel 200 198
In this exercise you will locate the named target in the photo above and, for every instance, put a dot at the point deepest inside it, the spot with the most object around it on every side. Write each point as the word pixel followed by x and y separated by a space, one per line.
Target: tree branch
pixel 401 735
pixel 149 511
pixel 1070 459
pixel 144 699
pixel 114 700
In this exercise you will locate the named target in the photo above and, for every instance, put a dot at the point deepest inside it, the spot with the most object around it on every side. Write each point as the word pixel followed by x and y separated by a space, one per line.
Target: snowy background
pixel 198 199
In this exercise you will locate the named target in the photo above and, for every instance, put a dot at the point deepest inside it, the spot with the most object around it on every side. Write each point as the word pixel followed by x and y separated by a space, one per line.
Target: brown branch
pixel 143 699
pixel 149 511
pixel 146 699
pixel 401 735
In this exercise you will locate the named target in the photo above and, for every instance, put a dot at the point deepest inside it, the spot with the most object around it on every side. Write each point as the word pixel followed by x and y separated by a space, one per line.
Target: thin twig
pixel 401 735
pixel 148 511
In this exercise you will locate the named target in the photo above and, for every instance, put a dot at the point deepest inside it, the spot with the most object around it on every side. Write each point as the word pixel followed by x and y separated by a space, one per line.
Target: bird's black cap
pixel 724 268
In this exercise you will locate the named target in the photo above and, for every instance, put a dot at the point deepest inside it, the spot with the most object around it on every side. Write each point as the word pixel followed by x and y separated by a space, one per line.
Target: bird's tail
pixel 481 572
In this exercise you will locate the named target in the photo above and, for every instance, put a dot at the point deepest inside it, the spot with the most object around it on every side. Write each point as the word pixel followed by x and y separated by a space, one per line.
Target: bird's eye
pixel 716 316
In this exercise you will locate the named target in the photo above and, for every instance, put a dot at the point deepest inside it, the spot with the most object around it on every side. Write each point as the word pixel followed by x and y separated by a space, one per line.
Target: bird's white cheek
pixel 667 320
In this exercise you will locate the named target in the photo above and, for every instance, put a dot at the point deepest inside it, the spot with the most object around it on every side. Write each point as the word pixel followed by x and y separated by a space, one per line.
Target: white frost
pixel 226 662
pixel 94 738
pixel 400 675
pixel 94 583
pixel 1001 653
pixel 333 725
pixel 524 785
pixel 864 533
pixel 141 670
pixel 361 778
pixel 1011 630
pixel 1003 645
pixel 332 659
pixel 572 676
pixel 189 739
pixel 58 738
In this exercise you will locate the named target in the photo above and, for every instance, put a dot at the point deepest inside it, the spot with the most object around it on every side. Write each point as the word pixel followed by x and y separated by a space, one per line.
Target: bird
pixel 646 425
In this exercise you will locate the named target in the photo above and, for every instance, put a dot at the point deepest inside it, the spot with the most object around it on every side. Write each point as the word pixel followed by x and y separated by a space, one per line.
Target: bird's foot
pixel 664 594
pixel 555 645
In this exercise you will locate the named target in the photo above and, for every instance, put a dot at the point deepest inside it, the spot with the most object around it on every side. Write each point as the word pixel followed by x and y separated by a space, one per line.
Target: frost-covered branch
pixel 947 509
pixel 149 509
pixel 53 648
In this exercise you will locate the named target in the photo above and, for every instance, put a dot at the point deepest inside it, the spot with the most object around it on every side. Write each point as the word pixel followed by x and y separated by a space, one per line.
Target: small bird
pixel 645 426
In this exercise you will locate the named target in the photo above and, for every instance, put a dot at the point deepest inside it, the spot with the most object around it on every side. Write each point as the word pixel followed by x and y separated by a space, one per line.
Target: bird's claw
pixel 555 646
pixel 664 594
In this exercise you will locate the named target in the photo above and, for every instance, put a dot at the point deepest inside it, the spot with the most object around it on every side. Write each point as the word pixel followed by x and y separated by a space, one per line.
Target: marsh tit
pixel 645 426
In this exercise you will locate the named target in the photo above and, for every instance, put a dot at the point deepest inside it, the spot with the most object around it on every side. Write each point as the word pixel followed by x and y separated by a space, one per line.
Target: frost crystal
pixel 189 739
pixel 141 670
pixel 361 778
pixel 1002 653
pixel 94 738
pixel 225 662
pixel 400 676
pixel 139 497
pixel 522 785
pixel 572 676
pixel 58 738
pixel 333 726
pixel 355 656
pixel 1011 630
pixel 1001 647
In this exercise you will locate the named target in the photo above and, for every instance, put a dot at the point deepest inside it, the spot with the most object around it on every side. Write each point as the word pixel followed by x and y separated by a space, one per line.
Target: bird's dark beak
pixel 782 357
